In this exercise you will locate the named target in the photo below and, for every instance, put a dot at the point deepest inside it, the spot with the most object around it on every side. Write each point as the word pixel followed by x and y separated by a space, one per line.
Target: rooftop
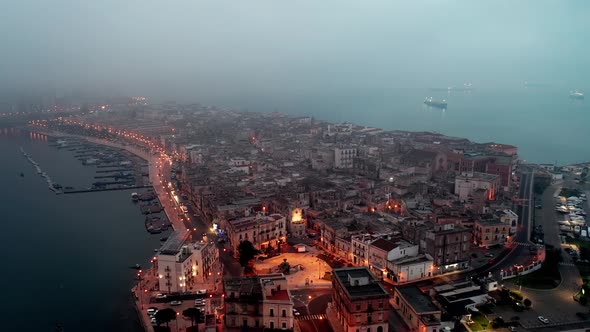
pixel 368 288
pixel 385 245
pixel 419 301
pixel 174 243
pixel 478 176
pixel 491 222
pixel 411 260
pixel 281 295
pixel 243 288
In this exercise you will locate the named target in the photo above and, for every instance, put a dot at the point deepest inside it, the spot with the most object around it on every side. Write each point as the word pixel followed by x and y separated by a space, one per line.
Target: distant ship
pixel 435 103
pixel 576 95
pixel 465 87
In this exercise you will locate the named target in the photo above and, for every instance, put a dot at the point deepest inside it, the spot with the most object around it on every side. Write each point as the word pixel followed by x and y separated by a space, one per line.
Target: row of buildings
pixel 397 205
pixel 404 250
pixel 358 303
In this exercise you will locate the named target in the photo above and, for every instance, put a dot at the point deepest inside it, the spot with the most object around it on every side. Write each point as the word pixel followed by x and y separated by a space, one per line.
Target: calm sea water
pixel 66 258
pixel 545 124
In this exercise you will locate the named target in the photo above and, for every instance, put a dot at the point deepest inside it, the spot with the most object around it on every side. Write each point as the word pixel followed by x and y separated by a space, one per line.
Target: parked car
pixel 543 320
pixel 160 296
pixel 174 303
pixel 152 311
pixel 202 292
pixel 296 312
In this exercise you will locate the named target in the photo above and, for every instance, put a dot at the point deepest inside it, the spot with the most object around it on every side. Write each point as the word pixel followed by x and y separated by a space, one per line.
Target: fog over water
pixel 333 59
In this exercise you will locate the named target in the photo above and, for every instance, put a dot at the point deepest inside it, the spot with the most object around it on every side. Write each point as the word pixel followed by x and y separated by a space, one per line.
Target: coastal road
pixel 521 241
pixel 159 174
pixel 556 304
pixel 518 252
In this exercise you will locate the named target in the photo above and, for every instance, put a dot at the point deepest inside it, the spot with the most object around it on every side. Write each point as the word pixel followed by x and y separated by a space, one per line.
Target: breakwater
pixel 56 188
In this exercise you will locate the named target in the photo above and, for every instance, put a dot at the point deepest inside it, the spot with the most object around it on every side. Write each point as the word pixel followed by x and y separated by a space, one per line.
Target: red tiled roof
pixel 281 295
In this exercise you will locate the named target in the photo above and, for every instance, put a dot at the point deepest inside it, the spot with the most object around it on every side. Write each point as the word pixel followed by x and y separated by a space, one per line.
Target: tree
pixel 246 252
pixel 583 300
pixel 498 322
pixel 165 316
pixel 527 303
pixel 194 314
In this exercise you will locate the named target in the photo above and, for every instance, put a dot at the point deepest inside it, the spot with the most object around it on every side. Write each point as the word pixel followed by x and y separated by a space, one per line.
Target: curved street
pixel 556 304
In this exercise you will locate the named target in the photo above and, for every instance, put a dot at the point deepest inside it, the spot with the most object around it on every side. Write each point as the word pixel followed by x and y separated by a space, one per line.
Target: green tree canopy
pixel 194 314
pixel 246 252
pixel 165 316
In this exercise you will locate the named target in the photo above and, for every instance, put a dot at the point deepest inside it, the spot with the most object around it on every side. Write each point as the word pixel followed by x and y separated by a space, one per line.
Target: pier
pixel 77 191
pixel 115 170
pixel 52 186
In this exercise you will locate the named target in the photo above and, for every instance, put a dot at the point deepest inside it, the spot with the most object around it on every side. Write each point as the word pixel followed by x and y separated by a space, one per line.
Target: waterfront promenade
pixel 159 175
pixel 159 168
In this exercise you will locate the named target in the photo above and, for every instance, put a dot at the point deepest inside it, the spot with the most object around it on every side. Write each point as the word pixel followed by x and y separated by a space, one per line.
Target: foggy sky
pixel 189 50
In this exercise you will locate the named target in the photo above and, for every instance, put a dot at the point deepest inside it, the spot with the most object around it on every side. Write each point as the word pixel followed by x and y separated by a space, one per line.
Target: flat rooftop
pixel 370 289
pixel 174 243
pixel 418 300
pixel 478 176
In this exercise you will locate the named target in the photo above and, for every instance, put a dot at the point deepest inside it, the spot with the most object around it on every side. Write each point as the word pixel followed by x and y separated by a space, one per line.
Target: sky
pixel 188 50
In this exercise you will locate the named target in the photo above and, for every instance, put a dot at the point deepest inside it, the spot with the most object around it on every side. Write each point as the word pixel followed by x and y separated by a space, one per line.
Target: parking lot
pixel 206 303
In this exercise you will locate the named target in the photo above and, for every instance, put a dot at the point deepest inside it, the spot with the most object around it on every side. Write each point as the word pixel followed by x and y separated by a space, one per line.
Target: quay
pixel 156 179
pixel 77 191
pixel 115 170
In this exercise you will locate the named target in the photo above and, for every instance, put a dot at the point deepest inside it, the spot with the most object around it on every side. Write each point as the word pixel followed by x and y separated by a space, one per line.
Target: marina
pixel 116 169
pixel 62 223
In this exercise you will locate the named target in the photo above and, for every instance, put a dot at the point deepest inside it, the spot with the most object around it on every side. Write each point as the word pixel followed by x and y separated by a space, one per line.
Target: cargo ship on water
pixel 435 103
pixel 467 87
pixel 576 95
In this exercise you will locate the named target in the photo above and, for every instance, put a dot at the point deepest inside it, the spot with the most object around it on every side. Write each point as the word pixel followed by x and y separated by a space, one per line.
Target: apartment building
pixel 360 302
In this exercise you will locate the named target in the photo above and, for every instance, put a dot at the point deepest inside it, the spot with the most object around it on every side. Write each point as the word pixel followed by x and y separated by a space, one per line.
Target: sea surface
pixel 66 258
pixel 543 122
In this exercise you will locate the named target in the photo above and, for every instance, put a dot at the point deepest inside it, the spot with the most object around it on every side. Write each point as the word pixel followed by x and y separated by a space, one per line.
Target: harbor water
pixel 544 123
pixel 66 257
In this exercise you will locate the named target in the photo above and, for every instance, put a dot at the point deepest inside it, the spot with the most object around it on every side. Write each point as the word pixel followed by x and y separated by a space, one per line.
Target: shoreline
pixel 113 310
pixel 174 222
pixel 141 154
